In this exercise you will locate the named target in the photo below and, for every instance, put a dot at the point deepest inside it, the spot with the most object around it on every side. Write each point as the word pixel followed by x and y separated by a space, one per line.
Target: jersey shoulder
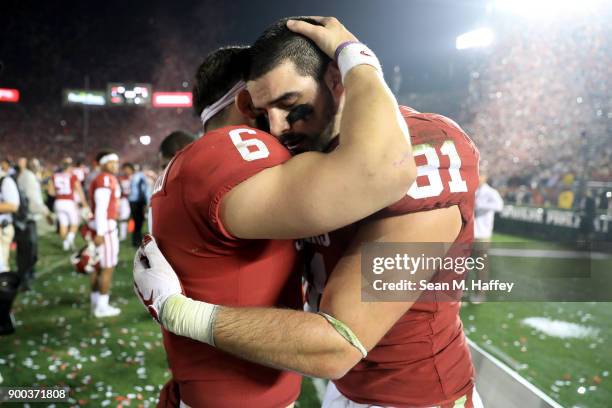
pixel 228 155
pixel 204 171
pixel 435 129
pixel 104 180
pixel 236 145
pixel 447 165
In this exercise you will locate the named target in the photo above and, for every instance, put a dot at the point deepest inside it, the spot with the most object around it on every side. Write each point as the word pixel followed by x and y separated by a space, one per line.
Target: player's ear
pixel 333 80
pixel 245 104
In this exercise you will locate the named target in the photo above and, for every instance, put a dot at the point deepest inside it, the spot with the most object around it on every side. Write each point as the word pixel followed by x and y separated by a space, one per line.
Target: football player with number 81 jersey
pixel 393 354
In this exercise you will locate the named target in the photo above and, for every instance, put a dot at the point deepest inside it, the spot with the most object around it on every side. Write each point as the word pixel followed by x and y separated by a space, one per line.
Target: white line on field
pixel 51 267
pixel 547 253
pixel 515 365
pixel 516 376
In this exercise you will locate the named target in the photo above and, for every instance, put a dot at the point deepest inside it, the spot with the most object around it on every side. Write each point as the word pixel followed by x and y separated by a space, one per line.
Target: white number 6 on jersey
pixel 247 154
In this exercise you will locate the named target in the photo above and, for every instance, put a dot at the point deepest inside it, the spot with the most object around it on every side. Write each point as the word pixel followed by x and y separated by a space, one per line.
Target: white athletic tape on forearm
pixel 353 54
pixel 189 318
pixel 346 332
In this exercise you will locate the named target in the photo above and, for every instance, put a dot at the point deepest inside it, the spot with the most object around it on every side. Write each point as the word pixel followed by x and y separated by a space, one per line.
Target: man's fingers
pixel 321 20
pixel 327 36
pixel 152 253
pixel 318 19
pixel 304 28
pixel 146 239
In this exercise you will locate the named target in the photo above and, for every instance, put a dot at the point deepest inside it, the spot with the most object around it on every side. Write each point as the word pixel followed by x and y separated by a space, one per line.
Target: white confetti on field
pixel 560 328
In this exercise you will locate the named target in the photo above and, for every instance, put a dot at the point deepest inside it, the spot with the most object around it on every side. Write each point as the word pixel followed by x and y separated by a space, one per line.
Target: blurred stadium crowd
pixel 52 135
pixel 539 108
pixel 537 104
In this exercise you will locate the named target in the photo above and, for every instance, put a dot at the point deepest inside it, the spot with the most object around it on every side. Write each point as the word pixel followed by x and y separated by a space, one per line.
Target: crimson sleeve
pixel 230 156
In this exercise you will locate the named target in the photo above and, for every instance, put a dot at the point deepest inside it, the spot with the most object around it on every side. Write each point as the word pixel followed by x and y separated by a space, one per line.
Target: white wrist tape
pixel 351 54
pixel 189 318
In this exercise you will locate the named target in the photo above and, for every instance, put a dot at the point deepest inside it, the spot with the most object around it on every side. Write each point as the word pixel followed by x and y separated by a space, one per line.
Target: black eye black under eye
pixel 298 113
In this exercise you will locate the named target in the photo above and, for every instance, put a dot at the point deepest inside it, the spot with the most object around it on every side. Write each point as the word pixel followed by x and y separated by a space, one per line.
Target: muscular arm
pixel 313 193
pixel 306 342
pixel 283 339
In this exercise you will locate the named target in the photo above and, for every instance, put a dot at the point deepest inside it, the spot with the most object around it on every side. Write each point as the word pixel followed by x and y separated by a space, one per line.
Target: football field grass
pixel 120 361
pixel 568 357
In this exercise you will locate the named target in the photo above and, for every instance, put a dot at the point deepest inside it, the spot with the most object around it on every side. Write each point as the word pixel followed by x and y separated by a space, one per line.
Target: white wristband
pixel 352 54
pixel 189 318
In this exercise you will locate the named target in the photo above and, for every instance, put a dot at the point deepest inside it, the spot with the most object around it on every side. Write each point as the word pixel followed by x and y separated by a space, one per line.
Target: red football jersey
pixel 424 359
pixel 218 268
pixel 64 183
pixel 80 173
pixel 106 180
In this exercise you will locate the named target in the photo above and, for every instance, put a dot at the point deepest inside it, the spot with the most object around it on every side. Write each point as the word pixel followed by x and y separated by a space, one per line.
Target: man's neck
pixel 230 116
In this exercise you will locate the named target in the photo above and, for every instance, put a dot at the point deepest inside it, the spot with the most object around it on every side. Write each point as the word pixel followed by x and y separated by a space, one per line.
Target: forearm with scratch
pixel 284 339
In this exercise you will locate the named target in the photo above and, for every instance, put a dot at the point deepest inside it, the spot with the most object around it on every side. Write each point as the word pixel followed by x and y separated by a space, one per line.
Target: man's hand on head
pixel 154 279
pixel 328 36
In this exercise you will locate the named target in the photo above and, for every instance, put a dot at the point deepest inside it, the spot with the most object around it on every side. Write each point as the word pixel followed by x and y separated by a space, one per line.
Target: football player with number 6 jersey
pixel 104 195
pixel 237 184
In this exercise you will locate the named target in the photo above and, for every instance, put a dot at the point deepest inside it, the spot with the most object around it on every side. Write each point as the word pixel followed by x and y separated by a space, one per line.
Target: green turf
pixel 511 238
pixel 105 361
pixel 559 367
pixel 58 342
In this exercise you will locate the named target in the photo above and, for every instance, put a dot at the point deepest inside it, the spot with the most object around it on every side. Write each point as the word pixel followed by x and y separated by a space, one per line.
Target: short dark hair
pixel 103 153
pixel 128 165
pixel 174 142
pixel 217 74
pixel 278 44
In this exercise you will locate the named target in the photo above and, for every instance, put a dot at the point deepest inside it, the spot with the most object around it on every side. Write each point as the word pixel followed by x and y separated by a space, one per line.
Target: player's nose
pixel 278 122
